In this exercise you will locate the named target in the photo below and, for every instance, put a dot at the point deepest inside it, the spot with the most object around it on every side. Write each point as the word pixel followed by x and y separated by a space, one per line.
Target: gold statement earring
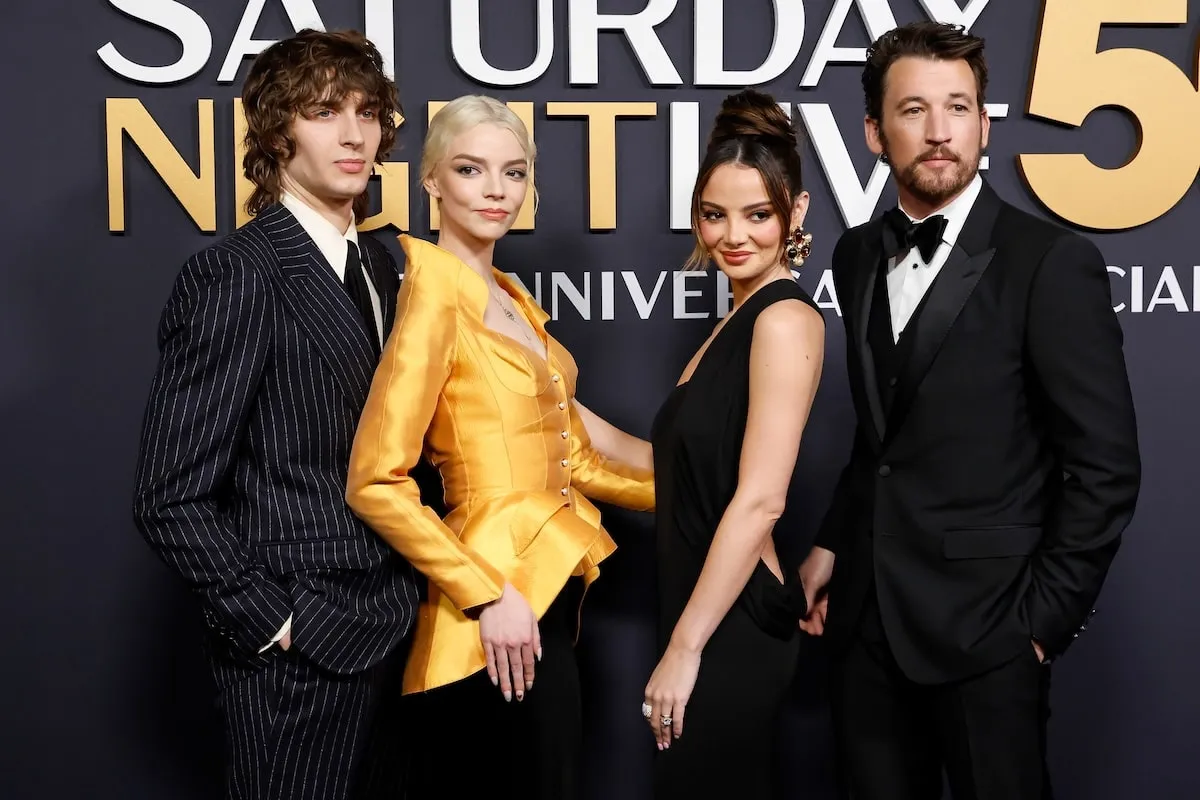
pixel 799 246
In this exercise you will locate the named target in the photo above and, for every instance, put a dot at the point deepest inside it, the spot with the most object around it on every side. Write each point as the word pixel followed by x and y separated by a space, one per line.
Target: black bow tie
pixel 901 235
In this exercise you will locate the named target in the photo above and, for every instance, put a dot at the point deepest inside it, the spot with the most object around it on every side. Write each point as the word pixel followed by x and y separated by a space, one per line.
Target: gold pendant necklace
pixel 512 317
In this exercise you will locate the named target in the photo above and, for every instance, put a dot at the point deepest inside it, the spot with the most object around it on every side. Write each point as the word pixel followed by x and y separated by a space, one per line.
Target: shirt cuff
pixel 287 626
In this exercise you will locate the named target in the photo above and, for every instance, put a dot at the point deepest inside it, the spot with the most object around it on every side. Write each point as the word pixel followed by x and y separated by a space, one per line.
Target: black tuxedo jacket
pixel 984 504
pixel 264 369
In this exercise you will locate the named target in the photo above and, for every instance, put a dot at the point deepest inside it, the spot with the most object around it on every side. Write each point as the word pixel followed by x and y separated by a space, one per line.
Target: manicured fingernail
pixel 495 681
pixel 539 654
pixel 520 696
pixel 508 697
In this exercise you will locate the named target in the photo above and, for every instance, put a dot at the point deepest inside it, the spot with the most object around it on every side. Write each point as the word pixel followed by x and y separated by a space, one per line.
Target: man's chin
pixel 939 191
pixel 352 192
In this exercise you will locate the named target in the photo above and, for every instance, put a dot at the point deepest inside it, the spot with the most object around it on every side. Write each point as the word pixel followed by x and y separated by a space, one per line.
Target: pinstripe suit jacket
pixel 264 369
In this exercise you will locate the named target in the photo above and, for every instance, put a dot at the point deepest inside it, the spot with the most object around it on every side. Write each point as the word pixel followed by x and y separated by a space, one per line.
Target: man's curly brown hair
pixel 312 67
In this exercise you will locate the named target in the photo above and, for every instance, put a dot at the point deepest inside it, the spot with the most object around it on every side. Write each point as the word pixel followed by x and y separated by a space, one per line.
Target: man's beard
pixel 935 188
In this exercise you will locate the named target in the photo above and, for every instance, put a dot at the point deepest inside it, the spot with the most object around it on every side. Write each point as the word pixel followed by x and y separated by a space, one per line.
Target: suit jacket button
pixel 891 382
pixel 884 471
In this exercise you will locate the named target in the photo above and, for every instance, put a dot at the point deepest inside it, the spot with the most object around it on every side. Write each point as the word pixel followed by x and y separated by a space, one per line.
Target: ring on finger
pixel 665 720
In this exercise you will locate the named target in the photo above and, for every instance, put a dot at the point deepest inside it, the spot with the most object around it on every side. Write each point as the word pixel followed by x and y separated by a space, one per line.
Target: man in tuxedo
pixel 268 343
pixel 995 461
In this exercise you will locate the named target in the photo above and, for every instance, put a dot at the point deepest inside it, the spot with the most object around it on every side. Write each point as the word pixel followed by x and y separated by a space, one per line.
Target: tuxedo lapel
pixel 950 291
pixel 870 261
pixel 320 305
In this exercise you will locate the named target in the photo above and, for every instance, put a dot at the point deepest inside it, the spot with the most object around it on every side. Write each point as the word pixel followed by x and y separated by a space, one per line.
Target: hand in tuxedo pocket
pixel 1041 654
pixel 814 622
pixel 815 574
pixel 286 641
pixel 508 629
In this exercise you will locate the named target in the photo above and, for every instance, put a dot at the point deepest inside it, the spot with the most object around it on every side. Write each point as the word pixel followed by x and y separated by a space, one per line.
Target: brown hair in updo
pixel 752 130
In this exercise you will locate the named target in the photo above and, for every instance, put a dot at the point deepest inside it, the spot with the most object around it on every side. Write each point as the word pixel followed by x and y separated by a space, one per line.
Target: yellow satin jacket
pixel 515 460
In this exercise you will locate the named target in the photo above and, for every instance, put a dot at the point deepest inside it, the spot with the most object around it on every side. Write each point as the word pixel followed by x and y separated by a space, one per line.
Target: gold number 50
pixel 1070 80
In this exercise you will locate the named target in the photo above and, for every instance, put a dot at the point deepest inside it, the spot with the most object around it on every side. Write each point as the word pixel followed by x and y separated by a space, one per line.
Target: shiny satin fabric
pixel 496 420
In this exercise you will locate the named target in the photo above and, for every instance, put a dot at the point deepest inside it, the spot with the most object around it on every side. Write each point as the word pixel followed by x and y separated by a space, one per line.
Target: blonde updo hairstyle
pixel 461 115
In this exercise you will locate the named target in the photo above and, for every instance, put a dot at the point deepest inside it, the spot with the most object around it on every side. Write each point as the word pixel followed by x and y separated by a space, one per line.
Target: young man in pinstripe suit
pixel 268 344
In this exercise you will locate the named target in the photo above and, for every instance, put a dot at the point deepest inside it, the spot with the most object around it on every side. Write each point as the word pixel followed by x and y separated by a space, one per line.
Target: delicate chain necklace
pixel 512 317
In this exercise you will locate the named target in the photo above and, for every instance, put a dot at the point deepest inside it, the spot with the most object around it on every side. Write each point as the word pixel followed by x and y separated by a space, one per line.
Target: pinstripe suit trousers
pixel 297 732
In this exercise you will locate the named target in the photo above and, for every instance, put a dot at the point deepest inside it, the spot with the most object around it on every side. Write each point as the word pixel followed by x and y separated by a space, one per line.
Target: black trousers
pixel 895 737
pixel 298 732
pixel 474 744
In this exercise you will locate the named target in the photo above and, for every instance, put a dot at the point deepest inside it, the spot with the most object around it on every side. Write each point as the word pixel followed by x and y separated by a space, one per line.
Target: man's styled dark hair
pixel 939 41
pixel 290 78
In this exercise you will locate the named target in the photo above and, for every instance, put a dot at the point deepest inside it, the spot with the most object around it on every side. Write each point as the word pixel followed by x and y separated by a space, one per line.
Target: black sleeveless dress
pixel 747 666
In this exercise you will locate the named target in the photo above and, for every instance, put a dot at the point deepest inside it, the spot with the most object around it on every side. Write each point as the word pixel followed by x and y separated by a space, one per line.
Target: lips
pixel 351 164
pixel 736 256
pixel 493 213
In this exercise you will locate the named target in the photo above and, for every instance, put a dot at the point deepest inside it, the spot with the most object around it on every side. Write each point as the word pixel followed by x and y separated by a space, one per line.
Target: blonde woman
pixel 471 379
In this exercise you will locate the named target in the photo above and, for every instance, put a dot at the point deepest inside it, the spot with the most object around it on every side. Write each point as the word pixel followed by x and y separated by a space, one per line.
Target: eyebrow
pixel 468 157
pixel 751 207
pixel 916 98
pixel 333 104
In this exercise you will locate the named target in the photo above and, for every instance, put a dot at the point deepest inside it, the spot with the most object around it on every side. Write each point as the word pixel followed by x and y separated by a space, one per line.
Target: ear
pixel 874 139
pixel 986 128
pixel 431 186
pixel 799 211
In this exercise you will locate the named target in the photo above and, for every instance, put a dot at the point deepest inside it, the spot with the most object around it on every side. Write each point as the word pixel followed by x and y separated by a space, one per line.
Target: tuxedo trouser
pixel 895 737
pixel 297 732
pixel 476 744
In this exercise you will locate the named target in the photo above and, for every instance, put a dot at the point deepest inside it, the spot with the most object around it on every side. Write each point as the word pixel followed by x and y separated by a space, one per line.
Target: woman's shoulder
pixel 789 325
pixel 430 271
pixel 424 257
pixel 784 302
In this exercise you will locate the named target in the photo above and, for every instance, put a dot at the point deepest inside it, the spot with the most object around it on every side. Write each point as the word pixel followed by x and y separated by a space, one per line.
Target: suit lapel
pixel 870 261
pixel 949 293
pixel 319 304
pixel 387 285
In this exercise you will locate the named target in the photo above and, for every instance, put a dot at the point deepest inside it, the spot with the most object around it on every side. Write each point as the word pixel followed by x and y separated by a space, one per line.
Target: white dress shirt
pixel 332 245
pixel 908 276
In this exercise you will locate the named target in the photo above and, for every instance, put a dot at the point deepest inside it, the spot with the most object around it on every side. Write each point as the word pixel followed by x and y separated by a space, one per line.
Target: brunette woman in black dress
pixel 725 445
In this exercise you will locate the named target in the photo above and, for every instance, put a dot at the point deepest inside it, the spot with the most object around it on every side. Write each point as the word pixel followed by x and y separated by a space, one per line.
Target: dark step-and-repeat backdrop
pixel 121 159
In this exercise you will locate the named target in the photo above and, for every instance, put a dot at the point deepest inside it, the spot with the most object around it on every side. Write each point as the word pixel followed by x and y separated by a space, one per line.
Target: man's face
pixel 931 129
pixel 335 150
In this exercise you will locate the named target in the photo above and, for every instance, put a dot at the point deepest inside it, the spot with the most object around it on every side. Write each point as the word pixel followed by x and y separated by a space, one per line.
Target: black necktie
pixel 356 287
pixel 901 234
